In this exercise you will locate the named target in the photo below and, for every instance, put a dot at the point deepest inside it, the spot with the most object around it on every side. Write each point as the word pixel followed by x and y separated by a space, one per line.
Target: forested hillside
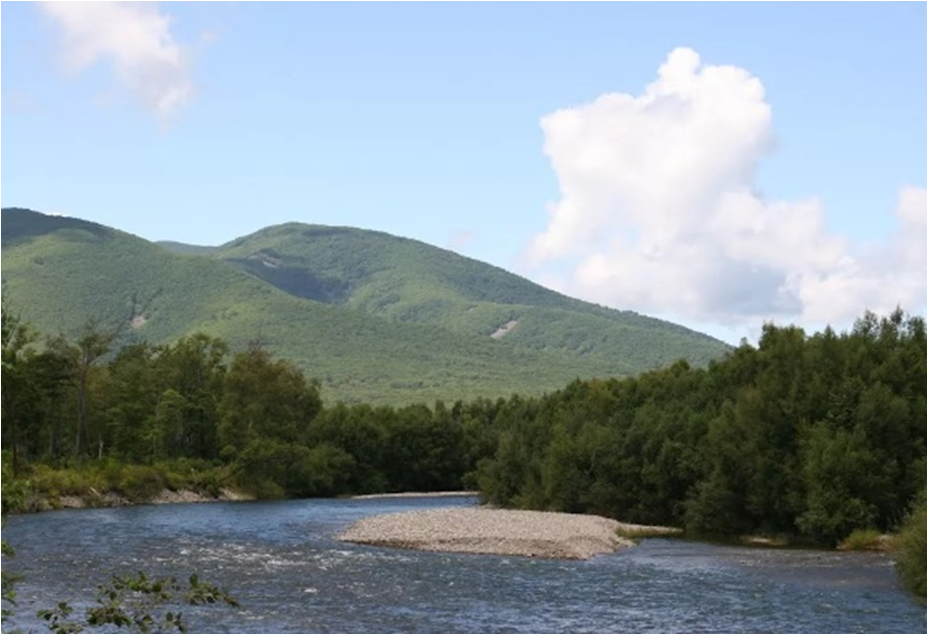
pixel 316 303
pixel 408 281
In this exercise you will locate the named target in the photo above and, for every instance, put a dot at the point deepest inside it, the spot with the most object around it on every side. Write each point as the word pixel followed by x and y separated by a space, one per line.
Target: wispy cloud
pixel 136 40
pixel 659 211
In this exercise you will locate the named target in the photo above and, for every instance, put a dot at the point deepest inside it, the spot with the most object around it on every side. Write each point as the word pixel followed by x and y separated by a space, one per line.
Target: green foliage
pixel 812 437
pixel 17 336
pixel 186 249
pixel 134 602
pixel 196 475
pixel 803 436
pixel 8 583
pixel 13 494
pixel 265 399
pixel 107 481
pixel 271 468
pixel 157 417
pixel 139 483
pixel 837 467
pixel 408 281
pixel 9 499
pixel 910 549
pixel 74 481
pixel 820 436
pixel 863 540
pixel 424 450
pixel 359 432
pixel 378 319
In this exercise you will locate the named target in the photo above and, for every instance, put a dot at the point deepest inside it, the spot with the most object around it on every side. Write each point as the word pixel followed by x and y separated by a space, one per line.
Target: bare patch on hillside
pixel 139 321
pixel 266 259
pixel 505 329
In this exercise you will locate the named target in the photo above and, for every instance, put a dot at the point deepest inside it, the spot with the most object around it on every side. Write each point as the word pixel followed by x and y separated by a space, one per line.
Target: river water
pixel 281 562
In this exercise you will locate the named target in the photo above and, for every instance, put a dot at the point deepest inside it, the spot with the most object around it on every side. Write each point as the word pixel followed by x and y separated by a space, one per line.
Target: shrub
pixel 863 540
pixel 910 548
pixel 140 483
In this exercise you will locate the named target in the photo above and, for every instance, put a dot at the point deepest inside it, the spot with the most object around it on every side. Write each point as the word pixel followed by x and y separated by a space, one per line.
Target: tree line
pixel 143 416
pixel 809 436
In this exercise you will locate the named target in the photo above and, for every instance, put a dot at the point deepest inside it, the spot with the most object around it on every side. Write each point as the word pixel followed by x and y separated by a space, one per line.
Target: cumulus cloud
pixel 885 276
pixel 136 39
pixel 659 211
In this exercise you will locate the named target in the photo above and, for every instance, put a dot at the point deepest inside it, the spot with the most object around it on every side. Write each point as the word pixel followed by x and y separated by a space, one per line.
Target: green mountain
pixel 184 248
pixel 375 317
pixel 408 281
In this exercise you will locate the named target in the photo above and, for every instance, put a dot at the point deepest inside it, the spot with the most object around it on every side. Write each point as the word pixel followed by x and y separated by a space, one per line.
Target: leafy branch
pixel 133 602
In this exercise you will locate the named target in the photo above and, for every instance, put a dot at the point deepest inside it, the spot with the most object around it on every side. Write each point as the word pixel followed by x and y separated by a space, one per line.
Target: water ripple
pixel 280 561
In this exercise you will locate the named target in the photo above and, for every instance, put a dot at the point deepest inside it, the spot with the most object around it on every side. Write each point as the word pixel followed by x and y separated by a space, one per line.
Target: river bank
pixel 94 499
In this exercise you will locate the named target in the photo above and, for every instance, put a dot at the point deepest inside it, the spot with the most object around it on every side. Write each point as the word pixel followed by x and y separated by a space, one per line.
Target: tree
pixel 361 432
pixel 911 549
pixel 194 369
pixel 16 336
pixel 265 412
pixel 133 394
pixel 265 398
pixel 92 343
pixel 837 466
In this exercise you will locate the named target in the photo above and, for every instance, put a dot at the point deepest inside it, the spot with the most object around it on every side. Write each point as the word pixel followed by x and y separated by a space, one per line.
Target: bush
pixel 8 501
pixel 910 548
pixel 14 493
pixel 863 540
pixel 47 485
pixel 140 483
pixel 196 475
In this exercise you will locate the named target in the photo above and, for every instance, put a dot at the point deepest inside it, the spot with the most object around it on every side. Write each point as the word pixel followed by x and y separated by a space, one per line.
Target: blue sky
pixel 715 164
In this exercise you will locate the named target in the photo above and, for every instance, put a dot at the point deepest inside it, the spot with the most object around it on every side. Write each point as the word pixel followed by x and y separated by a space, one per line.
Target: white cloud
pixel 659 213
pixel 887 275
pixel 136 39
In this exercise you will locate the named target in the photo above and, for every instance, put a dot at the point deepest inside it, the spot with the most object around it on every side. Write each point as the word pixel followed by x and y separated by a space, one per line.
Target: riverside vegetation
pixel 135 602
pixel 817 438
pixel 805 437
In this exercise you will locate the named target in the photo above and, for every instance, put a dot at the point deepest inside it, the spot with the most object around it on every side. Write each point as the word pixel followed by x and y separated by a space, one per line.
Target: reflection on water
pixel 280 561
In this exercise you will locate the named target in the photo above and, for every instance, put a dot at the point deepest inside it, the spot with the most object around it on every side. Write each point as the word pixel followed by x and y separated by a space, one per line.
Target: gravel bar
pixel 495 531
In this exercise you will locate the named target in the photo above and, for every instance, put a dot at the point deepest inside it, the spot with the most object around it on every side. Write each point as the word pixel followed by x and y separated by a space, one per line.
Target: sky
pixel 720 165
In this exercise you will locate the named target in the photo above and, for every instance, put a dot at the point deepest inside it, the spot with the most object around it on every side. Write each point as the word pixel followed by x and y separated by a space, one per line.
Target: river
pixel 281 562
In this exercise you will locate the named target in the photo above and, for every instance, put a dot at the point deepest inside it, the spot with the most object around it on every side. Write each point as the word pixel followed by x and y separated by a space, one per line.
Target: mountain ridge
pixel 375 316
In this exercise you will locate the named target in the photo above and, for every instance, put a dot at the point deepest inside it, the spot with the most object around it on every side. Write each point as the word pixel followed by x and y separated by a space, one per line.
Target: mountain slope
pixel 409 281
pixel 58 272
